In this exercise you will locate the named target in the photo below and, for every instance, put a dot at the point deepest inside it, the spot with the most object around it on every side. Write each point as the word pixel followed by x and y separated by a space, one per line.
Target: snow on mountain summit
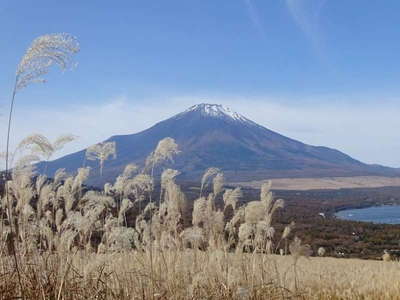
pixel 216 110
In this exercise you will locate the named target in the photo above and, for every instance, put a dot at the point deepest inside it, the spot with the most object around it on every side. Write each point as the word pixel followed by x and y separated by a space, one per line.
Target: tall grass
pixel 101 152
pixel 61 240
pixel 75 243
pixel 60 217
pixel 44 52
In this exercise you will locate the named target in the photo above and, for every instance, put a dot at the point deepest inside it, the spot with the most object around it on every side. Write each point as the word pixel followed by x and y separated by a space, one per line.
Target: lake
pixel 387 214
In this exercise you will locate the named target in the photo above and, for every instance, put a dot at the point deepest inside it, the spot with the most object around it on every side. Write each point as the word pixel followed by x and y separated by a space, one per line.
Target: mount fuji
pixel 211 135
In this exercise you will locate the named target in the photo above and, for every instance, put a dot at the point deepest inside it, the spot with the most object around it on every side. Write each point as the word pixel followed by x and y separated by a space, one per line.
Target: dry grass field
pixel 198 274
pixel 61 240
pixel 302 184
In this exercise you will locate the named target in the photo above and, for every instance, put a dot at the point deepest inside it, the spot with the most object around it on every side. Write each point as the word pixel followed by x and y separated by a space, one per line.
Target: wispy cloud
pixel 366 132
pixel 306 15
pixel 254 17
pixel 92 123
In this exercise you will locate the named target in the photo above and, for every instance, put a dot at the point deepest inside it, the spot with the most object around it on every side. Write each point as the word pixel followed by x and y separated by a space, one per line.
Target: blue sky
pixel 326 72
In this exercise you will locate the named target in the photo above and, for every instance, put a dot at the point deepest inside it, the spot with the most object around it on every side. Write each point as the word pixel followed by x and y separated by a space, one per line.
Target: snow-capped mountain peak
pixel 214 135
pixel 216 110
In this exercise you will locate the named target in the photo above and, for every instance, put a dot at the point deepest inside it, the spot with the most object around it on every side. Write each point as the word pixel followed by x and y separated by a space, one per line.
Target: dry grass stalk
pixel 101 152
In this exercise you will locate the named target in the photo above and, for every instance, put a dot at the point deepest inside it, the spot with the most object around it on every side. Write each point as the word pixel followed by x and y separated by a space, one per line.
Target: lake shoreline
pixel 377 214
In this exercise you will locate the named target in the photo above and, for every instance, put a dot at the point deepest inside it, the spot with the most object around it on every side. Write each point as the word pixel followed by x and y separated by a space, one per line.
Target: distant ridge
pixel 214 135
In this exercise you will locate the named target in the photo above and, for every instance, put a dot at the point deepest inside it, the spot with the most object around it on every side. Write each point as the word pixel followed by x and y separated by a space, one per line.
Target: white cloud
pixel 92 123
pixel 367 131
pixel 306 15
pixel 254 17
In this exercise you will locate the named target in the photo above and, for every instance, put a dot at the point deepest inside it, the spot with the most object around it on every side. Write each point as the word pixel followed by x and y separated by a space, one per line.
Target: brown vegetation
pixel 303 184
pixel 195 274
pixel 63 241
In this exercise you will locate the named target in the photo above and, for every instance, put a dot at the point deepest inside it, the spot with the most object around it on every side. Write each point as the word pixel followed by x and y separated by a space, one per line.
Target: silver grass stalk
pixel 48 216
pixel 165 151
pixel 140 185
pixel 121 238
pixel 46 196
pixel 231 197
pixel 108 188
pixel 218 183
pixel 175 205
pixel 193 237
pixel 206 176
pixel 59 175
pixel 125 206
pixel 28 211
pixel 174 198
pixel 66 240
pixel 20 186
pixel 25 161
pixel 246 233
pixel 101 152
pixel 69 201
pixel 95 200
pixel 59 218
pixel 199 212
pixel 40 182
pixel 44 52
pixel 130 170
pixel 42 146
pixel 47 233
pixel 167 177
pixel 123 179
pixel 270 232
pixel 288 229
pixel 210 203
pixel 266 196
pixel 238 217
pixel 217 224
pixel 265 188
pixel 254 212
pixel 280 203
pixel 80 178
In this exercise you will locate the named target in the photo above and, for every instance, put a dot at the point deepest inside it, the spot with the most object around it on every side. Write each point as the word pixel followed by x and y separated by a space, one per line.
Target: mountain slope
pixel 213 135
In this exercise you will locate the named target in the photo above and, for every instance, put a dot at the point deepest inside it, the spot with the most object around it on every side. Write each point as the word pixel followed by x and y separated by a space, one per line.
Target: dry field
pixel 62 241
pixel 303 184
pixel 198 275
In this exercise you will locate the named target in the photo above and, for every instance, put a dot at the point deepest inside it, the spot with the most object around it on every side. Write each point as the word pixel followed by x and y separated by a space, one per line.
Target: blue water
pixel 377 214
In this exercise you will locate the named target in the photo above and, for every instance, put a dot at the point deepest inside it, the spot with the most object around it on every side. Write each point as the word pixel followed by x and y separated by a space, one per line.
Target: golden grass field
pixel 198 275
